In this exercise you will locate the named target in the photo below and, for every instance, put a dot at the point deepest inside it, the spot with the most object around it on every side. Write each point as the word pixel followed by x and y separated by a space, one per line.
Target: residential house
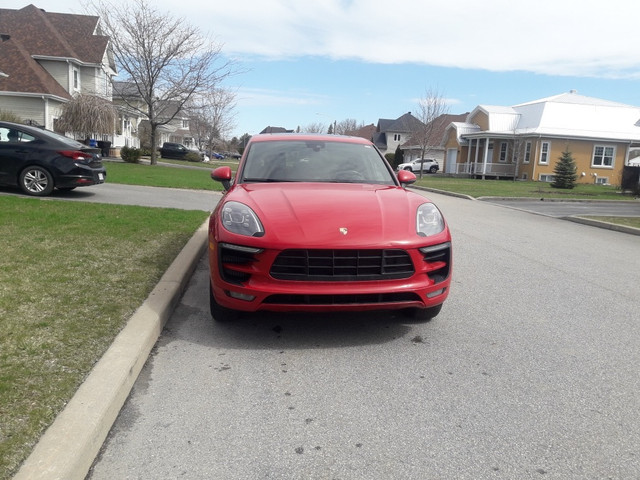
pixel 130 107
pixel 271 129
pixel 177 130
pixel 390 134
pixel 367 132
pixel 417 146
pixel 46 58
pixel 525 141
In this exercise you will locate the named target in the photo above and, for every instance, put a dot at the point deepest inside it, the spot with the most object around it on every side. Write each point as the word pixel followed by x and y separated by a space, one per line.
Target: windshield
pixel 315 161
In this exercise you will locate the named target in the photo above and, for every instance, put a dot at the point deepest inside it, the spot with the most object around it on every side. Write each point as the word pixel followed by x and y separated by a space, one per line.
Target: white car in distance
pixel 429 165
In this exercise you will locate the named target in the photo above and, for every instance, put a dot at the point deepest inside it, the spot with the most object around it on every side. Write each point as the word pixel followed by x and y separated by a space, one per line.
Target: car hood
pixel 340 215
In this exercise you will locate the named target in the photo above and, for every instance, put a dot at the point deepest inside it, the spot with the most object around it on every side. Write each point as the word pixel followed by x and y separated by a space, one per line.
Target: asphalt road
pixel 530 371
pixel 568 208
pixel 135 195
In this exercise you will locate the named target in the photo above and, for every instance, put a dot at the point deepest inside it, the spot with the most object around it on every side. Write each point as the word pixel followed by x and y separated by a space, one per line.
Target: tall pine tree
pixel 565 172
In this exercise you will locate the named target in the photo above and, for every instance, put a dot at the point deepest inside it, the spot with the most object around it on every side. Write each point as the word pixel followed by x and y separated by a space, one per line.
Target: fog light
pixel 241 296
pixel 436 293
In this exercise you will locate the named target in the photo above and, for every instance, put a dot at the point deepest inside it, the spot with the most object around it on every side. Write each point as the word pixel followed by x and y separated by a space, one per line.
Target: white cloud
pixel 563 37
pixel 556 37
pixel 255 97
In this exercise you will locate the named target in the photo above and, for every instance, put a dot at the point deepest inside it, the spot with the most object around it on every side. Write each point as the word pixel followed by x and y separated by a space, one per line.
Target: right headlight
pixel 429 220
pixel 239 218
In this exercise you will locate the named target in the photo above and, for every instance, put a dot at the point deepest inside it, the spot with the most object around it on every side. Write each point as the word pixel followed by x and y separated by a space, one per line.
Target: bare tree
pixel 167 60
pixel 431 110
pixel 212 117
pixel 345 126
pixel 317 127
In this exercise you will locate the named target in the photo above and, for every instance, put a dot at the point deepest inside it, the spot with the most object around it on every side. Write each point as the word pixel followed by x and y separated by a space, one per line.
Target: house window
pixel 527 152
pixel 503 152
pixel 76 79
pixel 544 153
pixel 602 181
pixel 547 178
pixel 185 123
pixel 603 156
pixel 396 137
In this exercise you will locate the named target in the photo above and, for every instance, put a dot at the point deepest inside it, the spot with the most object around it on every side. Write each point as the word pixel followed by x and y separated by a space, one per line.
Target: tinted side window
pixel 14 135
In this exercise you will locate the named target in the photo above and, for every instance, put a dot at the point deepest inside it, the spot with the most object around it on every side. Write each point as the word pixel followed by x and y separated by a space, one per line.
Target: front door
pixel 452 161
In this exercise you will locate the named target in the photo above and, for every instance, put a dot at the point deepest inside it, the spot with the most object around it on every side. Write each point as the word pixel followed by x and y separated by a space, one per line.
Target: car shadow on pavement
pixel 270 330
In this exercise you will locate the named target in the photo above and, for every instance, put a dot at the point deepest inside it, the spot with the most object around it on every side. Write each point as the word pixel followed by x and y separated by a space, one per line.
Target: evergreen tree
pixel 565 172
pixel 398 157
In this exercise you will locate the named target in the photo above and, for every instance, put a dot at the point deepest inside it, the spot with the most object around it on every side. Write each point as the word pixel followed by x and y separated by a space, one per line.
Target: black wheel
pixel 422 314
pixel 408 169
pixel 36 181
pixel 433 169
pixel 218 312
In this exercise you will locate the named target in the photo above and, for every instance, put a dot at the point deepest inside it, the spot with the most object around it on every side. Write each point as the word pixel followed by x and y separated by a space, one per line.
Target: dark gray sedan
pixel 38 160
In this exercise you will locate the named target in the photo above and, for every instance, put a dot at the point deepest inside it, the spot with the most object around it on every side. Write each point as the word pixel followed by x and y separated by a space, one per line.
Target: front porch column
pixel 486 157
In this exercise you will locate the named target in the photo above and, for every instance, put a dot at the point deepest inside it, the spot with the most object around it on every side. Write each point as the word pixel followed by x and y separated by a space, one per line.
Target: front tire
pixel 422 314
pixel 218 312
pixel 36 181
pixel 433 169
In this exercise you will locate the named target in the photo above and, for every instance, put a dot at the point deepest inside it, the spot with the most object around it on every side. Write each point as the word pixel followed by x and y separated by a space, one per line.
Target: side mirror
pixel 223 175
pixel 405 177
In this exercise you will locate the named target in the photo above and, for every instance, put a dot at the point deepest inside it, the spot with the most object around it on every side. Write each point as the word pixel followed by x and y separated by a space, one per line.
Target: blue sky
pixel 319 62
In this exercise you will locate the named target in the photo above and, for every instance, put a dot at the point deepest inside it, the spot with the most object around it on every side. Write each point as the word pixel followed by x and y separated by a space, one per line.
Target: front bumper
pixel 242 281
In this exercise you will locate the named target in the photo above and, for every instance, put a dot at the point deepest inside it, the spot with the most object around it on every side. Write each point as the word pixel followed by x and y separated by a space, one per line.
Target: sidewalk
pixel 68 448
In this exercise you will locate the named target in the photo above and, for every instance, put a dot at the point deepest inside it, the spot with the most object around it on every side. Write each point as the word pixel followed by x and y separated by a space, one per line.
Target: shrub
pixel 8 116
pixel 130 154
pixel 193 157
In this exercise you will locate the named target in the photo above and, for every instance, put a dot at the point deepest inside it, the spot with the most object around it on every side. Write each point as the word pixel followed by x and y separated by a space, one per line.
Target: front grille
pixel 345 299
pixel 342 265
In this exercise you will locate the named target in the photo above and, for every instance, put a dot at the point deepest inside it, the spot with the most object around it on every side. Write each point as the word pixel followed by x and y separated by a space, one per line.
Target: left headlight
pixel 239 218
pixel 429 220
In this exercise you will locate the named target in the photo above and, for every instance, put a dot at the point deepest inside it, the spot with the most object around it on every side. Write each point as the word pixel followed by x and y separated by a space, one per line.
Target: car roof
pixel 43 132
pixel 273 137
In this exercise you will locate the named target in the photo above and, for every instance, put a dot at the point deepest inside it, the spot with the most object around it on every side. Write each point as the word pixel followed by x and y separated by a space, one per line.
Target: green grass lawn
pixel 161 176
pixel 508 188
pixel 71 275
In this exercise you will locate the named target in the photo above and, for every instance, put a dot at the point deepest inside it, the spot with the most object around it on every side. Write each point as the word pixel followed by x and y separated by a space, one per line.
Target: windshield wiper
pixel 266 180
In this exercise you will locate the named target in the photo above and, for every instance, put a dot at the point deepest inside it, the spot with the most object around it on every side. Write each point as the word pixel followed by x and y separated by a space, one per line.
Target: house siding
pixel 582 153
pixel 27 108
pixel 481 119
pixel 60 71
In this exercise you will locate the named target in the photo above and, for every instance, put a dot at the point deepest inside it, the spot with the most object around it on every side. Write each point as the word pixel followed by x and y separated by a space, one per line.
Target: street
pixel 530 371
pixel 566 208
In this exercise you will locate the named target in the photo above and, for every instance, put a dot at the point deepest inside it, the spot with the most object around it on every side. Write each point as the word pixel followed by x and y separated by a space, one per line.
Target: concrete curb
pixel 601 224
pixel 443 192
pixel 68 448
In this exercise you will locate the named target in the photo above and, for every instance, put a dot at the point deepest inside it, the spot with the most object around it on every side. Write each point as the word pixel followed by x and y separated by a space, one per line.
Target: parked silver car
pixel 428 165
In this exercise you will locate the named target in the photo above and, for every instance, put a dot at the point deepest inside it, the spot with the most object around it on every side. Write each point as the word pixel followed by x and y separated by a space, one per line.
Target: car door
pixel 13 154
